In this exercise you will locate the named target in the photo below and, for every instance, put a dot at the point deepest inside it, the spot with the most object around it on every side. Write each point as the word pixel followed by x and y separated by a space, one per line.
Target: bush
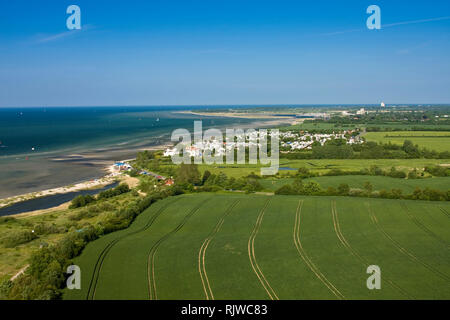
pixel 285 190
pixel 394 173
pixel 7 219
pixel 304 173
pixel 343 189
pixel 120 189
pixel 48 228
pixel 45 277
pixel 81 201
pixel 17 238
pixel 413 174
pixel 438 171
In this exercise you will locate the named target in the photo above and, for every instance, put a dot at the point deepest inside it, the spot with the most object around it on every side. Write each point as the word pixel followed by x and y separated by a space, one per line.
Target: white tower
pixel 382 105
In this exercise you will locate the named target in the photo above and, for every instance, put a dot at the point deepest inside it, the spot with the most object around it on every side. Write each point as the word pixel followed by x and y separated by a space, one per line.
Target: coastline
pixel 255 116
pixel 92 183
pixel 102 161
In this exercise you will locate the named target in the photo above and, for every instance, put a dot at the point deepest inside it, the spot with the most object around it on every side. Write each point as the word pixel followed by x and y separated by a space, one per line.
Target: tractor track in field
pixel 202 252
pixel 152 292
pixel 344 242
pixel 251 254
pixel 445 212
pixel 403 250
pixel 306 259
pixel 423 227
pixel 99 263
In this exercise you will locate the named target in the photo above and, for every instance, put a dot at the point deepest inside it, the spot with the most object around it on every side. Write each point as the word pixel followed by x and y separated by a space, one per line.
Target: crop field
pixel 358 181
pixel 432 140
pixel 212 246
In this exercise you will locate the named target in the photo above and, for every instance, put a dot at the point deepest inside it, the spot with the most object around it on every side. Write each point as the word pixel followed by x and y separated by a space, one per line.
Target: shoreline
pixel 93 183
pixel 253 116
pixel 91 158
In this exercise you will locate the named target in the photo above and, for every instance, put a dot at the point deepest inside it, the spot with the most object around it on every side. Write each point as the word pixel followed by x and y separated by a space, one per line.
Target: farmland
pixel 324 165
pixel 358 181
pixel 432 140
pixel 212 246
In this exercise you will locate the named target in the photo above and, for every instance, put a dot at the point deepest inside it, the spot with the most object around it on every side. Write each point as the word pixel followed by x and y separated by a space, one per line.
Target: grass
pixel 14 259
pixel 432 140
pixel 324 165
pixel 357 182
pixel 338 238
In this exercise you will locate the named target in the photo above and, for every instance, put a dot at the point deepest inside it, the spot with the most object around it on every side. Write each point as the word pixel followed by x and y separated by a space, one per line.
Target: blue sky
pixel 223 52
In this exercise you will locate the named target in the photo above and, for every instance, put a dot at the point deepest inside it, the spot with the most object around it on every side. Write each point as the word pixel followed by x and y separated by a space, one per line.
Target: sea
pixel 48 147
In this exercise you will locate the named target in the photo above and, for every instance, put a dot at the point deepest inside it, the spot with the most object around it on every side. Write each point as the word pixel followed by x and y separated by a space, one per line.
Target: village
pixel 218 147
pixel 291 140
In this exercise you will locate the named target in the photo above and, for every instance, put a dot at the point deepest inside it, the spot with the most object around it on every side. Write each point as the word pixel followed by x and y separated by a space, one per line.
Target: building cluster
pixel 125 167
pixel 217 146
pixel 304 140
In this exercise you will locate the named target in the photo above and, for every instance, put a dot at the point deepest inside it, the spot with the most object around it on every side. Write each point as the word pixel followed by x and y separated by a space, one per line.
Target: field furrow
pixel 355 253
pixel 252 256
pixel 202 253
pixel 306 259
pixel 419 224
pixel 151 279
pixel 403 250
pixel 236 246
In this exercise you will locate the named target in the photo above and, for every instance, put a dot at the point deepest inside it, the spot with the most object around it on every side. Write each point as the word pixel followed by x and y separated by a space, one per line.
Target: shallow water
pixel 49 201
pixel 39 146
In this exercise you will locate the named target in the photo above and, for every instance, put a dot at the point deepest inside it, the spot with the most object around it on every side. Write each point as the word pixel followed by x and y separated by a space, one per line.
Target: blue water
pixel 49 201
pixel 43 148
pixel 52 129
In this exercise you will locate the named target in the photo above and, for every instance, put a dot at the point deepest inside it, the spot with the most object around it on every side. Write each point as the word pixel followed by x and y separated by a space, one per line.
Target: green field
pixel 391 125
pixel 210 246
pixel 358 181
pixel 432 140
pixel 324 165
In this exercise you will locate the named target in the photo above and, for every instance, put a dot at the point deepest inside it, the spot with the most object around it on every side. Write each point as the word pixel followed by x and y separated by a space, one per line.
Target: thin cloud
pixel 414 21
pixel 389 25
pixel 62 35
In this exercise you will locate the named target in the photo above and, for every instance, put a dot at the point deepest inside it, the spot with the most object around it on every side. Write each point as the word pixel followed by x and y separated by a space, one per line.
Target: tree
pixel 396 193
pixel 188 173
pixel 285 190
pixel 412 174
pixel 206 175
pixel 297 185
pixel 343 189
pixel 303 173
pixel 311 188
pixel 409 147
pixel 368 187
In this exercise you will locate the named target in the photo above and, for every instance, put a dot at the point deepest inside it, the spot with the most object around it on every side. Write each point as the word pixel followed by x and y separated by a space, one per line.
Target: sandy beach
pixel 266 119
pixel 55 174
pixel 89 159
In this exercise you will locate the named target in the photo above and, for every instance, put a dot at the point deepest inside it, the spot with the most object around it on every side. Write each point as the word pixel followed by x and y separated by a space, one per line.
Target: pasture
pixel 358 181
pixel 432 140
pixel 212 246
pixel 324 165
